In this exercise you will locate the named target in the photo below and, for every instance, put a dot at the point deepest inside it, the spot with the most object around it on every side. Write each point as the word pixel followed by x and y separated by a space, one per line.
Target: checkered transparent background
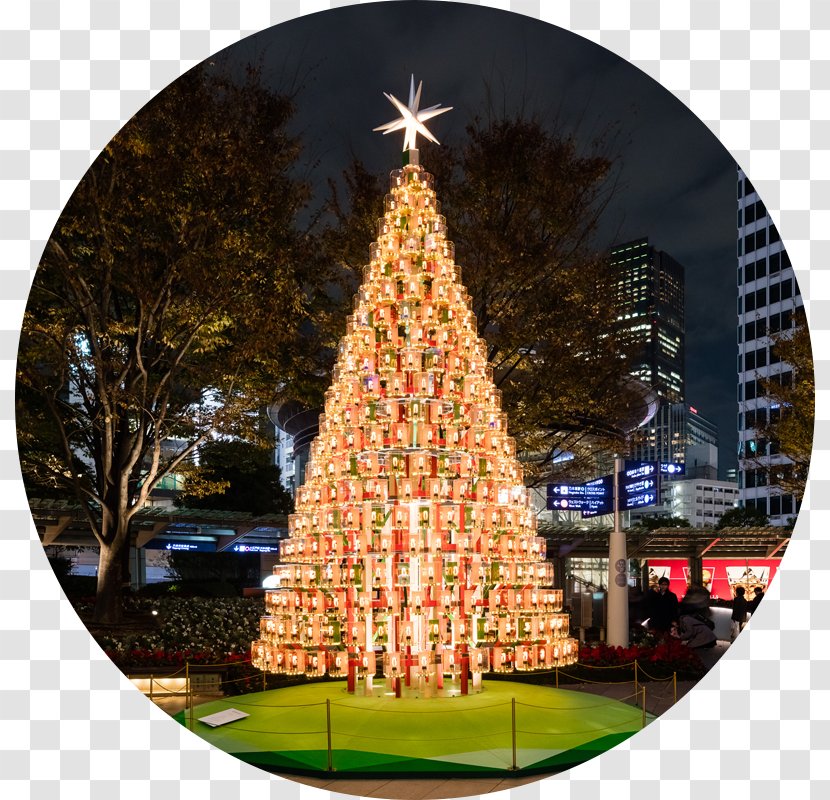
pixel 71 72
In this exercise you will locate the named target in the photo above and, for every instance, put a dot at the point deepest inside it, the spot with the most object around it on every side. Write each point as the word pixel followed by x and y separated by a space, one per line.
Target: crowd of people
pixel 691 620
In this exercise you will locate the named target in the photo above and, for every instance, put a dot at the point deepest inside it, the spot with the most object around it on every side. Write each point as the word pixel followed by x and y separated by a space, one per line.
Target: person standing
pixel 662 607
pixel 739 609
pixel 753 604
pixel 696 629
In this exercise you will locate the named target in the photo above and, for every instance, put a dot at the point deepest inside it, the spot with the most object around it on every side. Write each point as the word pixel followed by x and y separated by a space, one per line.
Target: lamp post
pixel 617 629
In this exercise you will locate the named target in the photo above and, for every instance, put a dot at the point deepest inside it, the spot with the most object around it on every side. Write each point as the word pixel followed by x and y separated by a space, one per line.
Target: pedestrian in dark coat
pixel 753 604
pixel 695 631
pixel 662 607
pixel 739 609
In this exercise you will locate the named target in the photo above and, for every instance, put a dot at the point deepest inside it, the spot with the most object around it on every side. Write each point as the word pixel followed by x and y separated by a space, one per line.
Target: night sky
pixel 678 182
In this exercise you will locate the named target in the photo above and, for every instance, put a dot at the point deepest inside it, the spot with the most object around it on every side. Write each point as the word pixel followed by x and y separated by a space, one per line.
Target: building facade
pixel 651 307
pixel 768 297
pixel 700 501
pixel 679 434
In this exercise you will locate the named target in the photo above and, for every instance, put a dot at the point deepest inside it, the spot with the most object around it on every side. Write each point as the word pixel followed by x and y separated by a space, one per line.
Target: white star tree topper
pixel 412 119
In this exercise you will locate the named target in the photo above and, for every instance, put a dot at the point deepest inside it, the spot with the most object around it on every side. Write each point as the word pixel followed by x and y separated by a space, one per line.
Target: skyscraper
pixel 678 433
pixel 768 296
pixel 651 307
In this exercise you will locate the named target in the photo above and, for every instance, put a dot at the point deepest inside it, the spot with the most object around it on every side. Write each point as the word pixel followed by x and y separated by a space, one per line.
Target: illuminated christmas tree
pixel 413 535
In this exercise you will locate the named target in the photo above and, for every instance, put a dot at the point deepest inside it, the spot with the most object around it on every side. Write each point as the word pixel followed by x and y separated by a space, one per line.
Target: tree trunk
pixel 109 592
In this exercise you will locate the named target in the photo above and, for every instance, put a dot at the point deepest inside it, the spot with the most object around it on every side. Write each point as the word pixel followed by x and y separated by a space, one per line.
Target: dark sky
pixel 678 182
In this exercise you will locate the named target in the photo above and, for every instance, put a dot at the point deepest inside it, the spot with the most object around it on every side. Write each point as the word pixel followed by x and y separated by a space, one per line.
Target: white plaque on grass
pixel 223 717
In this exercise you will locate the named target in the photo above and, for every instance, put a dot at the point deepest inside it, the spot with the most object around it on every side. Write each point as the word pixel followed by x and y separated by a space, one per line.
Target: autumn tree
pixel 653 522
pixel 789 395
pixel 743 518
pixel 234 475
pixel 522 205
pixel 167 303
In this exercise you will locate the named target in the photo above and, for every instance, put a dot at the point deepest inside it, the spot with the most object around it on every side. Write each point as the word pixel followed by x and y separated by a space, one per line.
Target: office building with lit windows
pixel 651 307
pixel 679 434
pixel 650 303
pixel 768 297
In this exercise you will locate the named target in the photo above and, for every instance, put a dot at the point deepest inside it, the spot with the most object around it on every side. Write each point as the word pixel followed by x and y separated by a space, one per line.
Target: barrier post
pixel 556 671
pixel 636 684
pixel 330 766
pixel 515 765
pixel 264 684
pixel 151 688
pixel 188 692
pixel 674 682
pixel 644 706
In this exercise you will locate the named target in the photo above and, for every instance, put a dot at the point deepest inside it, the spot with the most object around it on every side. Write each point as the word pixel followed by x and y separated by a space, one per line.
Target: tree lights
pixel 413 538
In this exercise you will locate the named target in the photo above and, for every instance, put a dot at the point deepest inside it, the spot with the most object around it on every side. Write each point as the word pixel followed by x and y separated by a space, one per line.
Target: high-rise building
pixel 768 297
pixel 651 308
pixel 679 434
pixel 700 501
pixel 650 301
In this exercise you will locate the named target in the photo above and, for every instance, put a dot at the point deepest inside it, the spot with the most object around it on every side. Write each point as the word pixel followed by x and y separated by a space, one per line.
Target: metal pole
pixel 328 735
pixel 674 682
pixel 188 692
pixel 264 684
pixel 556 670
pixel 515 765
pixel 636 688
pixel 151 687
pixel 644 706
pixel 617 628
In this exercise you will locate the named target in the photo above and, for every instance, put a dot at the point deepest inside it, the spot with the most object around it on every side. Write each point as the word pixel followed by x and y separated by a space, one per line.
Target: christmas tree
pixel 413 535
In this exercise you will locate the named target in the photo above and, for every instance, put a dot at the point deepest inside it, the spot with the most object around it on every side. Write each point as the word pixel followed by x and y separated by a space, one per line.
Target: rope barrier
pixel 630 696
pixel 243 678
pixel 402 711
pixel 430 739
pixel 586 680
pixel 560 708
pixel 577 732
pixel 582 666
pixel 652 678
pixel 166 691
pixel 279 733
pixel 227 663
pixel 197 666
pixel 269 705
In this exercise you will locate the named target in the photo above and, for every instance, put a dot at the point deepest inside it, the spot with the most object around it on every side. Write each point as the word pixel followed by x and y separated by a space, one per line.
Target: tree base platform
pixel 296 731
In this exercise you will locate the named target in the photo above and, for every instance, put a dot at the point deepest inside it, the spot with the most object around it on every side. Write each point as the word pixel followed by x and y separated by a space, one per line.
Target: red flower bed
pixel 659 657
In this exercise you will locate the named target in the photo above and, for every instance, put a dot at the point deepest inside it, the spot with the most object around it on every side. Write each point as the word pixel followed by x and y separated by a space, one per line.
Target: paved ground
pixel 660 696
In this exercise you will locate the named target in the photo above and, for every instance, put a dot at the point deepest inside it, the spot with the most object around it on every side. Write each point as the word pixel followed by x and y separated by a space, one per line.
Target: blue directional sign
pixel 638 486
pixel 255 548
pixel 606 507
pixel 180 545
pixel 606 481
pixel 639 469
pixel 579 504
pixel 574 497
pixel 592 489
pixel 670 468
pixel 638 501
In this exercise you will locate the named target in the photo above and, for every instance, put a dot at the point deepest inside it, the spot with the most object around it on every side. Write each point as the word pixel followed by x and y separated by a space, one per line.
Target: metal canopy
pixel 67 522
pixel 592 542
pixel 59 519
